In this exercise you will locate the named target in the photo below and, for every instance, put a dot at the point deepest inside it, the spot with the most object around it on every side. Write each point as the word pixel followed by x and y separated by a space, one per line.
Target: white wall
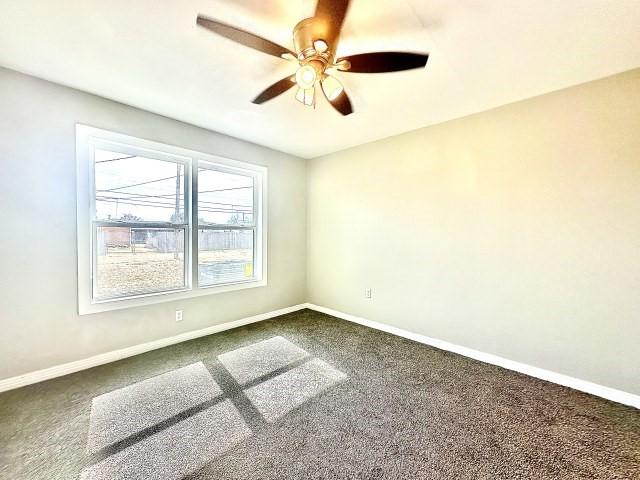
pixel 514 232
pixel 39 326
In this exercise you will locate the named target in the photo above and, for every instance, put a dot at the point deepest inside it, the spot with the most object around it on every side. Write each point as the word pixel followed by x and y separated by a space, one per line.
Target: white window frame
pixel 87 139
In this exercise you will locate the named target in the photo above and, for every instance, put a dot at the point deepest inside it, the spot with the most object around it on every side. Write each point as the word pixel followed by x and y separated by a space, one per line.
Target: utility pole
pixel 177 215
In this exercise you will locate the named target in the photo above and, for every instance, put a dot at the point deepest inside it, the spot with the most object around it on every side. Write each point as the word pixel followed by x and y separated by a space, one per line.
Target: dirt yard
pixel 123 272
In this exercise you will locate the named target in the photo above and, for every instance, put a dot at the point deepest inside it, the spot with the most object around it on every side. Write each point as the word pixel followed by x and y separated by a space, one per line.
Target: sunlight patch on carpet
pixel 276 397
pixel 254 361
pixel 172 425
pixel 117 415
pixel 177 451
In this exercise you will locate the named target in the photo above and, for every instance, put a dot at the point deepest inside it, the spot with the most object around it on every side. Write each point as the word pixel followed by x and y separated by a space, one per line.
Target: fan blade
pixel 274 90
pixel 341 103
pixel 382 62
pixel 245 38
pixel 329 17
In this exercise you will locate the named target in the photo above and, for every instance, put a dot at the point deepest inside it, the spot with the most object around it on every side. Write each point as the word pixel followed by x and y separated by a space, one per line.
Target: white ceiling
pixel 151 55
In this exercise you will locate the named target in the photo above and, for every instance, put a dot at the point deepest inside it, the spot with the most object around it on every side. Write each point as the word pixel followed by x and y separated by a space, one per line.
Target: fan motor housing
pixel 305 33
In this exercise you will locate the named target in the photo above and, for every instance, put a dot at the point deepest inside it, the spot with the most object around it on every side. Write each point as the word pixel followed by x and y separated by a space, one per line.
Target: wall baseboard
pixel 588 387
pixel 101 359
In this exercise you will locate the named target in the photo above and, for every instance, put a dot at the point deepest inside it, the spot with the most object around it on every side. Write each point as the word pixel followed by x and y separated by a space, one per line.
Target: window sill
pixel 162 297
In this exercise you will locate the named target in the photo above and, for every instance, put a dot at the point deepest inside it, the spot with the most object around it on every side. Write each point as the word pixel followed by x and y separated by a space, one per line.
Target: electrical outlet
pixel 367 293
pixel 178 315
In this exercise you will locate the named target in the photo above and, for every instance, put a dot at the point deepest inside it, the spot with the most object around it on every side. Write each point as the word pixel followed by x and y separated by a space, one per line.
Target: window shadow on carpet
pixel 171 425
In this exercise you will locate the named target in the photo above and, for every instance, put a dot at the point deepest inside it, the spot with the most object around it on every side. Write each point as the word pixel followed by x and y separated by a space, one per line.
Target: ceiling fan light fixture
pixel 314 43
pixel 306 76
pixel 310 97
pixel 306 96
pixel 331 87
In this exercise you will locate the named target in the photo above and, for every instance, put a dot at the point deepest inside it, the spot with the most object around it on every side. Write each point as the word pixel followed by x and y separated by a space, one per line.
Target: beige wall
pixel 515 231
pixel 39 326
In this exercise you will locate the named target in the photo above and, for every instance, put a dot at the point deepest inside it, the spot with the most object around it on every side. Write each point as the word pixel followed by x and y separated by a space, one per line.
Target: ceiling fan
pixel 315 42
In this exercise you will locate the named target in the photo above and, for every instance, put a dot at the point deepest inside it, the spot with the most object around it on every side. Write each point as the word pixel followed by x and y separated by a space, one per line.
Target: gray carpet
pixel 307 396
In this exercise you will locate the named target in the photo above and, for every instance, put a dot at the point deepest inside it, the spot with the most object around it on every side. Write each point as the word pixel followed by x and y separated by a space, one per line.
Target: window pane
pixel 134 261
pixel 224 198
pixel 134 189
pixel 225 256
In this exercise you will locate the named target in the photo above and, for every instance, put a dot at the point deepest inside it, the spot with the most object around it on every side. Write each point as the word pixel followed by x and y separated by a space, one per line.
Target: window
pixel 139 229
pixel 226 225
pixel 139 203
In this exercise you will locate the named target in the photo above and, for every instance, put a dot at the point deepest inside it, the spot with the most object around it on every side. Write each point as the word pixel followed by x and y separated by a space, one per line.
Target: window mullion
pixel 195 229
pixel 226 227
pixel 167 225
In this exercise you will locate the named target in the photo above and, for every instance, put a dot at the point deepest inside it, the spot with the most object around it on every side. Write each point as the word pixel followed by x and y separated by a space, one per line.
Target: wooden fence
pixel 164 241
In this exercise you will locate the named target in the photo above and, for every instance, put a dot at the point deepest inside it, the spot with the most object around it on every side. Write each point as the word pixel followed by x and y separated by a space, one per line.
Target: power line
pixel 133 196
pixel 171 208
pixel 139 203
pixel 171 194
pixel 223 189
pixel 209 209
pixel 114 159
pixel 141 183
pixel 212 191
pixel 242 208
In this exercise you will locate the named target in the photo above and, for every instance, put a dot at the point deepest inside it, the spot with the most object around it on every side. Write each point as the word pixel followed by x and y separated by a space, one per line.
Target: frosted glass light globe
pixel 306 76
